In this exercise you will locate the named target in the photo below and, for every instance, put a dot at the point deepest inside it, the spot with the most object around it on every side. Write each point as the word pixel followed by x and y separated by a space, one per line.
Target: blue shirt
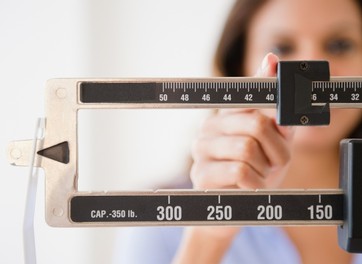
pixel 253 245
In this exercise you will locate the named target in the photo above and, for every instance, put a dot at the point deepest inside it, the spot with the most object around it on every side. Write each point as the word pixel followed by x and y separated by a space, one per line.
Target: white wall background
pixel 42 39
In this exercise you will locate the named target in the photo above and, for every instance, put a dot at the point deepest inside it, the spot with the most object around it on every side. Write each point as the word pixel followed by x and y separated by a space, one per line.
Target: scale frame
pixel 57 151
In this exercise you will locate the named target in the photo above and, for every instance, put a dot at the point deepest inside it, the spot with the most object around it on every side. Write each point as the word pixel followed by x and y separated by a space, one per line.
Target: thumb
pixel 268 67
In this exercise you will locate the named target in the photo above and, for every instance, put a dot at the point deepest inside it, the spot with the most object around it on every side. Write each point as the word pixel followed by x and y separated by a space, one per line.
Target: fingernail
pixel 264 63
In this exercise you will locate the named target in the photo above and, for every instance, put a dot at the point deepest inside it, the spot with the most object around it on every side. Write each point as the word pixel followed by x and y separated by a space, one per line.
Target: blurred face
pixel 311 30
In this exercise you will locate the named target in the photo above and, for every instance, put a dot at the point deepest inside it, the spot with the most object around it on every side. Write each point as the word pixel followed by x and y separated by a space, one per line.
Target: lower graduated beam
pixel 219 207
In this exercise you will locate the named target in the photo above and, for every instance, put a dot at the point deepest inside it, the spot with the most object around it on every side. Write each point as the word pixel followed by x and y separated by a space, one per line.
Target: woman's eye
pixel 339 46
pixel 282 50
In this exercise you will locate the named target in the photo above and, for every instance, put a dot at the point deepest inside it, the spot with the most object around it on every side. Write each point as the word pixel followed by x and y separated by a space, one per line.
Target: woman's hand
pixel 237 149
pixel 242 148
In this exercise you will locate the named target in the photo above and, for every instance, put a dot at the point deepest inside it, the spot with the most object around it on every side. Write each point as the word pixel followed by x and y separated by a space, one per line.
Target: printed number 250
pixel 219 212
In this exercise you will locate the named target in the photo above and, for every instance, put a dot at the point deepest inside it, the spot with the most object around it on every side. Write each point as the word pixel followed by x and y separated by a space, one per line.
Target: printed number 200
pixel 270 212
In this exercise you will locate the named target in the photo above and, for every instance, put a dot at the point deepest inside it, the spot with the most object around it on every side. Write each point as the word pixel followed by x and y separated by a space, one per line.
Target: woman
pixel 245 149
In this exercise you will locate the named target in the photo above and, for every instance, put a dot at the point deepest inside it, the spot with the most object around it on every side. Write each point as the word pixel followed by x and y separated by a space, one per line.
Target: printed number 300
pixel 169 213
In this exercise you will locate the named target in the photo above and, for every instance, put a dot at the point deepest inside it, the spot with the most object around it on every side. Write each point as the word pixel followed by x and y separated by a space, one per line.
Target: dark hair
pixel 229 56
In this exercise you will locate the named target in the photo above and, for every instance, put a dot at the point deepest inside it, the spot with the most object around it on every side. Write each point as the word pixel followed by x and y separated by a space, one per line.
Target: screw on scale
pixel 303 92
pixel 304 120
pixel 304 65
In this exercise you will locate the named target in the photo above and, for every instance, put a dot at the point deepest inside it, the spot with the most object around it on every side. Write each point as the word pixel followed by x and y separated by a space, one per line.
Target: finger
pixel 215 124
pixel 232 148
pixel 211 125
pixel 286 131
pixel 211 175
pixel 228 111
pixel 268 67
pixel 261 128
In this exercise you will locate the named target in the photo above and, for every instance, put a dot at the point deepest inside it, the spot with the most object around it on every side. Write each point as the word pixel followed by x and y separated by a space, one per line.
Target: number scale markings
pixel 214 92
pixel 218 207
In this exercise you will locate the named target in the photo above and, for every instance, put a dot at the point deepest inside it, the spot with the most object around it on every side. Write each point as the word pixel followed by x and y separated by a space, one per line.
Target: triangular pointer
pixel 59 152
